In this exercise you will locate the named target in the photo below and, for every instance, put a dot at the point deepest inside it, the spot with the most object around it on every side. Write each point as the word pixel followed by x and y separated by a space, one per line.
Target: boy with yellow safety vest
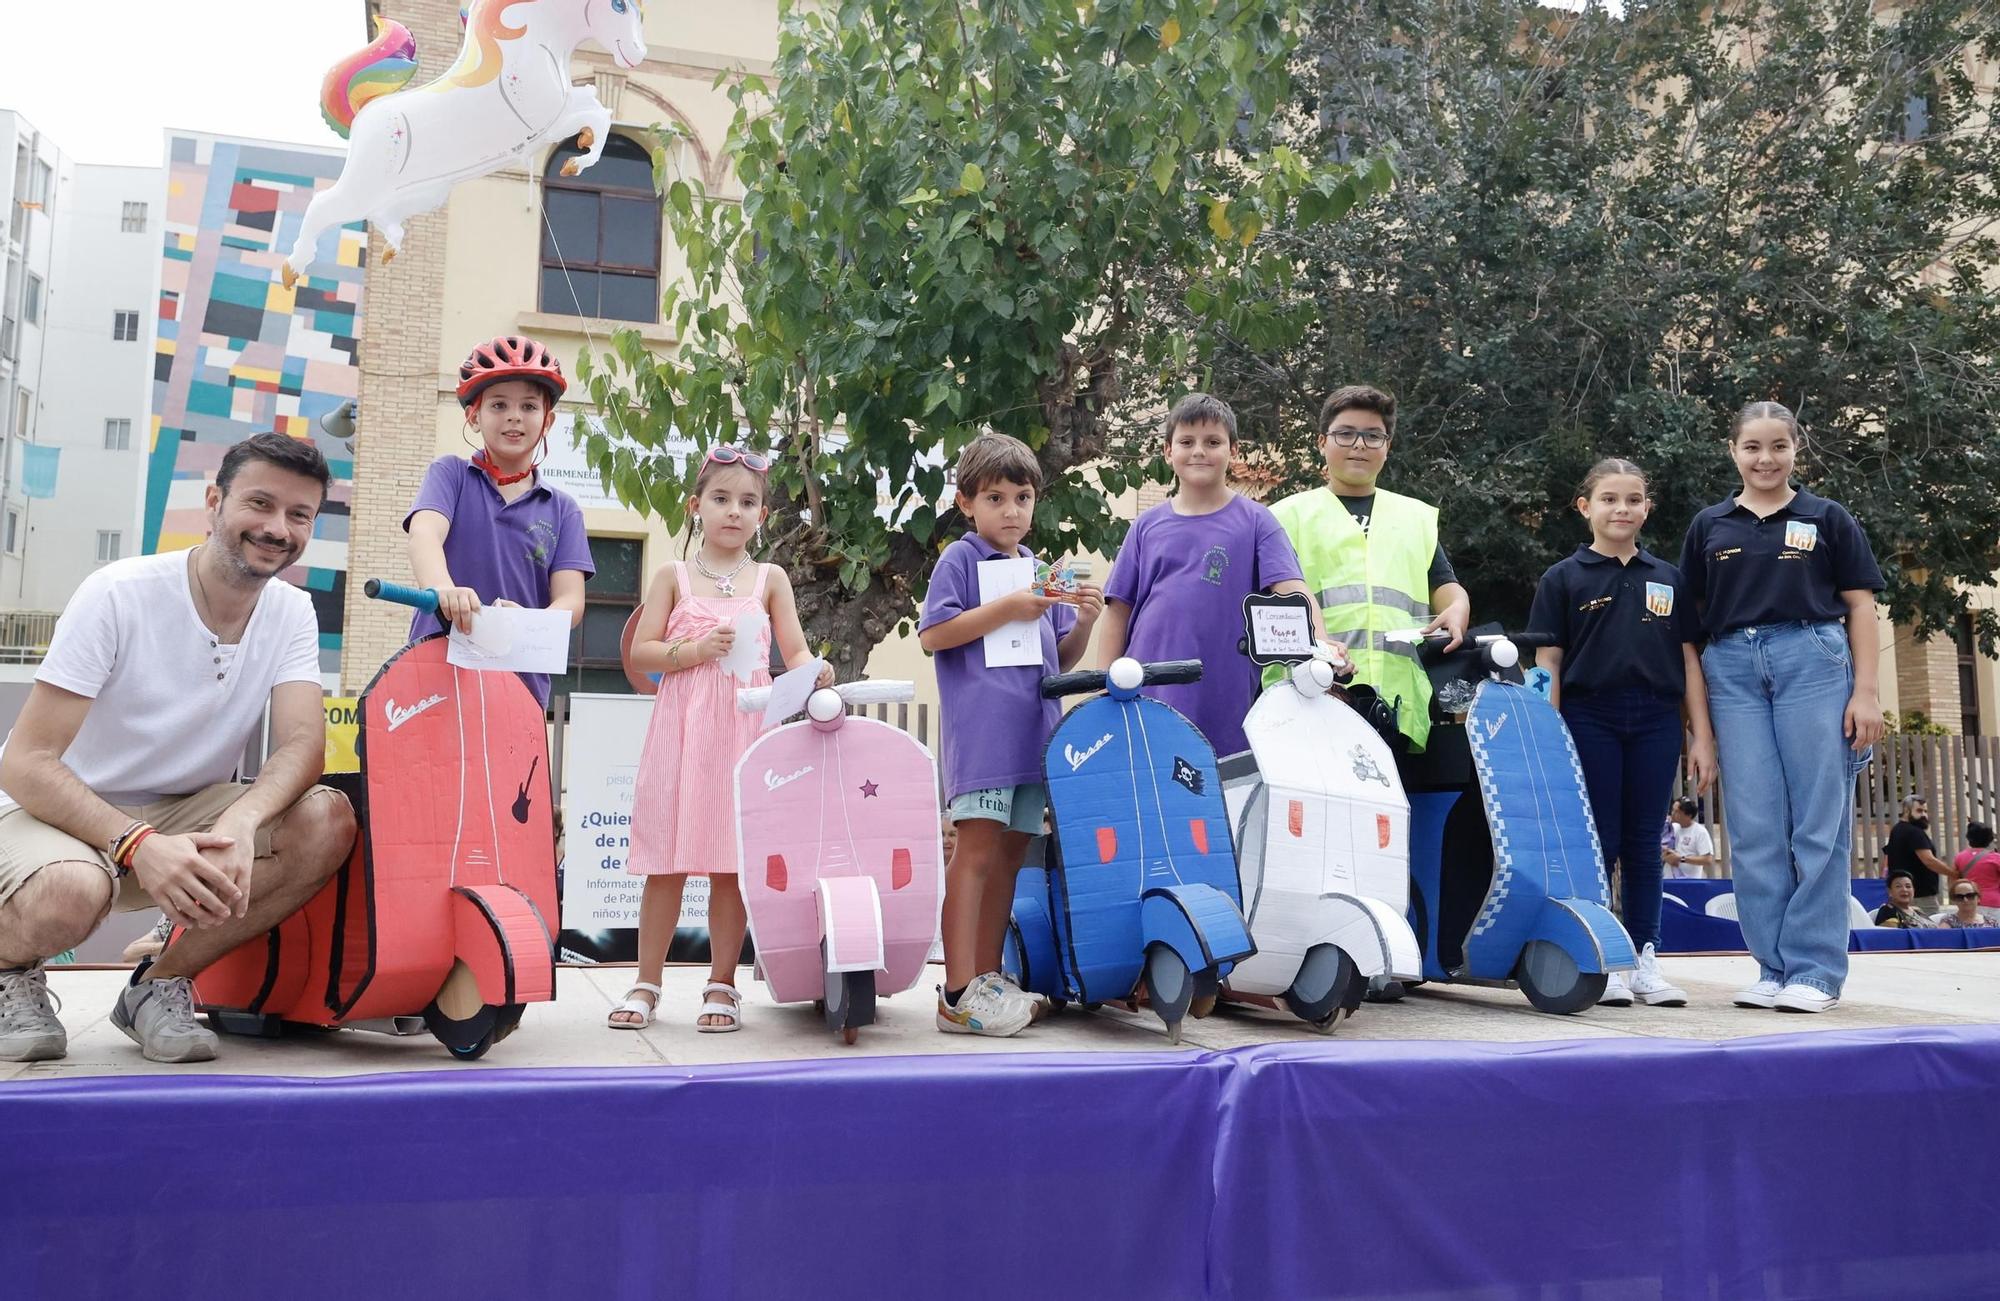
pixel 1373 559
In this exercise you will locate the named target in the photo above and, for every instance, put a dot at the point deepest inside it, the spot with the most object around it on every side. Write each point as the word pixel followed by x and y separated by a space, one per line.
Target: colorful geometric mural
pixel 240 354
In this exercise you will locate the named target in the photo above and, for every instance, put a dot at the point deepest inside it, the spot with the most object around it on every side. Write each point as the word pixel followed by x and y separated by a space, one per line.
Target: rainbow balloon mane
pixel 381 67
pixel 479 62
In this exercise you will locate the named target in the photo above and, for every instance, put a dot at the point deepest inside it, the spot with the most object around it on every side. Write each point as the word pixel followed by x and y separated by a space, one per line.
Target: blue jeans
pixel 1777 695
pixel 1630 745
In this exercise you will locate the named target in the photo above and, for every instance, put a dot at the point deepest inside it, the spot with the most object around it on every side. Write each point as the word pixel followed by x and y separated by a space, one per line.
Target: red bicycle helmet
pixel 510 356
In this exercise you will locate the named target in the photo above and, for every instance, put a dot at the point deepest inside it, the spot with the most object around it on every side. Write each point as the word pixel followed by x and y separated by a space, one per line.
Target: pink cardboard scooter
pixel 841 863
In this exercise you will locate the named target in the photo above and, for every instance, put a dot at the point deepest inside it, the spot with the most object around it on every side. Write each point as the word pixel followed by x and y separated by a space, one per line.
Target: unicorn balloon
pixel 508 94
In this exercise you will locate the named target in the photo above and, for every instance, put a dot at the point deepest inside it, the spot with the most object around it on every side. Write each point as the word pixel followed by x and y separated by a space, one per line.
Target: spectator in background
pixel 950 837
pixel 1979 864
pixel 1965 912
pixel 1910 852
pixel 1691 851
pixel 1900 910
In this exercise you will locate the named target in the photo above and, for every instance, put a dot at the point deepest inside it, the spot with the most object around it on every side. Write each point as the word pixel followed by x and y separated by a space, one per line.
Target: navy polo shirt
pixel 1786 567
pixel 1619 623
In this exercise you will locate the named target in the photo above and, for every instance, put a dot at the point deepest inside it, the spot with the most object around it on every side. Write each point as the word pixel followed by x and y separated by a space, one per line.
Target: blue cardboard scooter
pixel 1507 876
pixel 1141 879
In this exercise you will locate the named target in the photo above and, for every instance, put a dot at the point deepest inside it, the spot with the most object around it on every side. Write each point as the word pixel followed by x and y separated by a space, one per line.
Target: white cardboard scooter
pixel 1322 829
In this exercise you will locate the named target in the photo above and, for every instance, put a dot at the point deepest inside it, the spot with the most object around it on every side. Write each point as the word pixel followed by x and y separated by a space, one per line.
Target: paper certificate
pixel 1011 644
pixel 513 639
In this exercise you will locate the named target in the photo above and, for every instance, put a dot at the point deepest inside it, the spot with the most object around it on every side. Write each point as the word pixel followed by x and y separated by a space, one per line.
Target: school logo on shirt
pixel 1800 535
pixel 1213 564
pixel 541 542
pixel 1660 599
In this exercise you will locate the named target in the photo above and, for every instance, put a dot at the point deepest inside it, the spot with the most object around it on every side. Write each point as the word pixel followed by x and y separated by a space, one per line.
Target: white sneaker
pixel 29 1030
pixel 1616 992
pixel 1804 998
pixel 1650 987
pixel 984 1009
pixel 1762 994
pixel 1039 1006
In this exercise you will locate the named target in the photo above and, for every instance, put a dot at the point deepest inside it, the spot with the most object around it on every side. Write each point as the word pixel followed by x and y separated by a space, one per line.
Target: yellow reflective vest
pixel 1371 584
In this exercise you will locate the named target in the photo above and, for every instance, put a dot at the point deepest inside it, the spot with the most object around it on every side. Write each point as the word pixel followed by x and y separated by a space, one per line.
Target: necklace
pixel 725 584
pixel 207 610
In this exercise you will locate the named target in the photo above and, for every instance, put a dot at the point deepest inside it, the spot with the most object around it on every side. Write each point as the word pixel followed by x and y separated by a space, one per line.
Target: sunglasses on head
pixel 729 454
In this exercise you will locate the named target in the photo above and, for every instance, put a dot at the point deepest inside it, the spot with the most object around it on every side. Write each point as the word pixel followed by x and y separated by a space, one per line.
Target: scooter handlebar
pixel 1159 673
pixel 420 598
pixel 754 700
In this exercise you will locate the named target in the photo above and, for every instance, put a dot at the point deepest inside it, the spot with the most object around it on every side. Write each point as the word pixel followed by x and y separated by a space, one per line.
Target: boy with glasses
pixel 1373 558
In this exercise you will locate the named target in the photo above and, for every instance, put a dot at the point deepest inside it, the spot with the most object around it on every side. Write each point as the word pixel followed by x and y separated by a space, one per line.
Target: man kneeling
pixel 118 783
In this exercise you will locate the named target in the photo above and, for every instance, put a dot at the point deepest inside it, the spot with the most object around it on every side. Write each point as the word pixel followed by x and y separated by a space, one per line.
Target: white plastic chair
pixel 1722 905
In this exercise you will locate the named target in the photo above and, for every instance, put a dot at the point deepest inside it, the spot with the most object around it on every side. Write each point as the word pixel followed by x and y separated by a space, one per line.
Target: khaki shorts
pixel 27 844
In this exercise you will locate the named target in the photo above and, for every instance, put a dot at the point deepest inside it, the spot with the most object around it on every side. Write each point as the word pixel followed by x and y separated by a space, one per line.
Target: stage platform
pixel 1455 1145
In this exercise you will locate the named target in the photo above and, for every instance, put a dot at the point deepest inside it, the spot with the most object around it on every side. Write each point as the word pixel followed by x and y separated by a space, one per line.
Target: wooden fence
pixel 1958 776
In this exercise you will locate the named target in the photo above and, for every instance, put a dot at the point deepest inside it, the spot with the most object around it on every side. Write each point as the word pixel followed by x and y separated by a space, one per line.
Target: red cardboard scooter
pixel 442 912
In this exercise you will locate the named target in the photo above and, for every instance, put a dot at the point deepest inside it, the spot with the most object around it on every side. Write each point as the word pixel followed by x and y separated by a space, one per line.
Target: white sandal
pixel 733 1009
pixel 638 1007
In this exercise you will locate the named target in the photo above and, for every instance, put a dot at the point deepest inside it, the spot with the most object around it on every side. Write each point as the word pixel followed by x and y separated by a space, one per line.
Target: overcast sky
pixel 233 67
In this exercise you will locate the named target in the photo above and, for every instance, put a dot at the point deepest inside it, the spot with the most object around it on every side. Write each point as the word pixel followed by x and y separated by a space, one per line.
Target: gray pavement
pixel 1884 989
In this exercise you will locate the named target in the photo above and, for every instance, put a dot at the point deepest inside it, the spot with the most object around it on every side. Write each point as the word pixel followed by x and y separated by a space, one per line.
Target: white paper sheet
pixel 1016 643
pixel 747 656
pixel 513 639
pixel 1278 632
pixel 789 691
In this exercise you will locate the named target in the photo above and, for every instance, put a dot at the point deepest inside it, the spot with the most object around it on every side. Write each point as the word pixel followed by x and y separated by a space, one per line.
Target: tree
pixel 1612 231
pixel 949 210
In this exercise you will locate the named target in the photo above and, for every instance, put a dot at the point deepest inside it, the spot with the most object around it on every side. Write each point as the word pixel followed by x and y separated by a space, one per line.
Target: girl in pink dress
pixel 684 807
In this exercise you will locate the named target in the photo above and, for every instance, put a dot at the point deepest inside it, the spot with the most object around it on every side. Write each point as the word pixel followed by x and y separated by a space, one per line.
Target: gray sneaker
pixel 158 1015
pixel 29 1031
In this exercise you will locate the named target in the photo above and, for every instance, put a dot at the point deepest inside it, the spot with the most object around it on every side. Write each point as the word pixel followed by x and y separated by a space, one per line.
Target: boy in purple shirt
pixel 489 529
pixel 1177 588
pixel 995 726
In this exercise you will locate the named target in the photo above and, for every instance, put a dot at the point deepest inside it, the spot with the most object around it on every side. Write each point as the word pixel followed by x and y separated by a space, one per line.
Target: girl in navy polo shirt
pixel 1787 586
pixel 1621 629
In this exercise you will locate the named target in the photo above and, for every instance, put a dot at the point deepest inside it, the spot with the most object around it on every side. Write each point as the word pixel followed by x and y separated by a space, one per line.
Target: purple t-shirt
pixel 503 550
pixel 995 720
pixel 1185 577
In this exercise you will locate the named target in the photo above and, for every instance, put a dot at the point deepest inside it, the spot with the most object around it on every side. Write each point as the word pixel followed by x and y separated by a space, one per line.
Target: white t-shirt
pixel 172 708
pixel 1691 839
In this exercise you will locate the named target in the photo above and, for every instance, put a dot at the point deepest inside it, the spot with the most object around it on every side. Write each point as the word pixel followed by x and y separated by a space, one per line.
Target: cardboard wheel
pixel 1169 987
pixel 463 1024
pixel 245 1025
pixel 1207 992
pixel 1553 982
pixel 850 1001
pixel 1327 987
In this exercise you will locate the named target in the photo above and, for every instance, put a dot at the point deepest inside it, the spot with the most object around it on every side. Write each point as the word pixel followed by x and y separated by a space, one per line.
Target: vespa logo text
pixel 772 781
pixel 1078 758
pixel 398 717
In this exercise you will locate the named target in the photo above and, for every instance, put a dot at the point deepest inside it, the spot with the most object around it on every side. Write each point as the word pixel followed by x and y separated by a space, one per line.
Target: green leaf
pixel 1163 170
pixel 973 179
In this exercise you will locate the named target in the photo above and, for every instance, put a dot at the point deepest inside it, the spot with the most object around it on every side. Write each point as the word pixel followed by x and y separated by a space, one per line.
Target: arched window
pixel 601 239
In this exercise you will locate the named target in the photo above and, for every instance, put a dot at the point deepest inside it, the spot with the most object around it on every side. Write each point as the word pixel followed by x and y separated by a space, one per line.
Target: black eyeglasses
pixel 1369 438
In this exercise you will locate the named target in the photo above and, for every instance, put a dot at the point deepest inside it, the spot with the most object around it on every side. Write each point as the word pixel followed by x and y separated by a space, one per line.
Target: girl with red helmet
pixel 488 530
